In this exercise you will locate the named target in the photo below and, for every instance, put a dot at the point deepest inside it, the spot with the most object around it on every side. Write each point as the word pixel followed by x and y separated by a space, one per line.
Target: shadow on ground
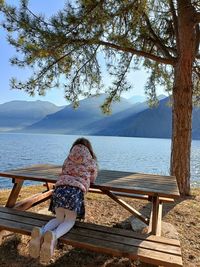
pixel 14 254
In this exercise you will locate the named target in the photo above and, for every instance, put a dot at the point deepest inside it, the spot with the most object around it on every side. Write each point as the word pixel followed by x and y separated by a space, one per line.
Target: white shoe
pixel 48 247
pixel 35 242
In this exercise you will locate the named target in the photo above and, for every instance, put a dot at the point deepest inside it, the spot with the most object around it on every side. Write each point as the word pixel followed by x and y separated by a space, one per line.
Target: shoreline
pixel 192 186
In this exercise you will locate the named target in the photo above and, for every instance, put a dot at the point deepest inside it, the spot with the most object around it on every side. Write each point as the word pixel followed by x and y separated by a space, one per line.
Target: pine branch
pixel 45 70
pixel 171 61
pixel 38 18
pixel 157 41
pixel 85 63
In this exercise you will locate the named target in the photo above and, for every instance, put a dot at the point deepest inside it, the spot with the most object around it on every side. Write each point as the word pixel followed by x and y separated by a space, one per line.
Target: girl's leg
pixel 51 237
pixel 37 233
pixel 67 219
pixel 52 224
pixel 67 224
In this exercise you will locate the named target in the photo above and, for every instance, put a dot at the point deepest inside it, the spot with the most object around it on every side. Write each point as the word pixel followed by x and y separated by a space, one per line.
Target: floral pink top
pixel 79 169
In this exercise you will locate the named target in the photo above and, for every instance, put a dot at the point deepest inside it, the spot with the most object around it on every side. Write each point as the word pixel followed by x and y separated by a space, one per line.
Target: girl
pixel 78 171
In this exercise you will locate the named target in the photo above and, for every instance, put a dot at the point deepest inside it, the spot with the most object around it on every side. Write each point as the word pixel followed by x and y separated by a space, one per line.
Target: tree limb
pixel 171 61
pixel 156 39
pixel 197 39
pixel 175 21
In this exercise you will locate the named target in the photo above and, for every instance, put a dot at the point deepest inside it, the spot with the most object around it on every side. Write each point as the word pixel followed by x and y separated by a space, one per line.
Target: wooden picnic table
pixel 151 249
pixel 155 188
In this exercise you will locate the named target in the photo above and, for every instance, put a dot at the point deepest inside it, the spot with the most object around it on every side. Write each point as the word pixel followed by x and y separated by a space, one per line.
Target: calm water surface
pixel 146 155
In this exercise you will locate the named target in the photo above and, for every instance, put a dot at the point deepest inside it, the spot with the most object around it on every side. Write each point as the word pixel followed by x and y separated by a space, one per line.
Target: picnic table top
pixel 119 181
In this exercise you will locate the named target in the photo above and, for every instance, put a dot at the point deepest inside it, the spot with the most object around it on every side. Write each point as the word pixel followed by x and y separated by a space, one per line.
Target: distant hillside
pixel 151 122
pixel 113 120
pixel 15 115
pixel 137 99
pixel 70 120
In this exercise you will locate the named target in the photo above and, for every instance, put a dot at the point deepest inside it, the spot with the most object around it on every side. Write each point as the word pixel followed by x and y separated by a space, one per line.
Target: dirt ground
pixel 184 215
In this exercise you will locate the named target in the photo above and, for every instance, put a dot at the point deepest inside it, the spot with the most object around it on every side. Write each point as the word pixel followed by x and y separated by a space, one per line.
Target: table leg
pixel 156 216
pixel 14 193
pixel 127 206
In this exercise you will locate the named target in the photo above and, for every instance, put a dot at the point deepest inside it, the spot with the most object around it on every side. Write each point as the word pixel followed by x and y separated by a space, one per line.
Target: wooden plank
pixel 129 233
pixel 164 186
pixel 15 227
pixel 89 226
pixel 127 207
pixel 116 249
pixel 33 201
pixel 155 212
pixel 127 195
pixel 159 222
pixel 136 190
pixel 104 234
pixel 15 220
pixel 27 217
pixel 31 218
pixel 49 186
pixel 108 236
pixel 97 243
pixel 158 228
pixel 14 194
pixel 102 246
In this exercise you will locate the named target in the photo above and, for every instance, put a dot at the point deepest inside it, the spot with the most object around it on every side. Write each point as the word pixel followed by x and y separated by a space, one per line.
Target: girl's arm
pixel 94 171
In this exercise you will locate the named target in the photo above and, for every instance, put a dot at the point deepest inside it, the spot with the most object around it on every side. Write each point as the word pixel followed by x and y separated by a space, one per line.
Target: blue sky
pixel 56 96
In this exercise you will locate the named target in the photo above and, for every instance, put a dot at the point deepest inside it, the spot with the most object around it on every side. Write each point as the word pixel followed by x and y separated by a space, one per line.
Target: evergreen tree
pixel 160 35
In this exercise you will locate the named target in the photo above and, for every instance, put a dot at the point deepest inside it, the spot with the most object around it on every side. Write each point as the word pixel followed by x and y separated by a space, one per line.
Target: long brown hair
pixel 85 142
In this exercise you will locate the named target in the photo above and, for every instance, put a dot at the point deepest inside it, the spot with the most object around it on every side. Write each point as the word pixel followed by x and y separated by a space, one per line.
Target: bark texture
pixel 182 98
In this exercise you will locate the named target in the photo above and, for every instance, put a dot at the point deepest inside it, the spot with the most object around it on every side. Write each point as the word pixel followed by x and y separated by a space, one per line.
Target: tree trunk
pixel 182 98
pixel 181 137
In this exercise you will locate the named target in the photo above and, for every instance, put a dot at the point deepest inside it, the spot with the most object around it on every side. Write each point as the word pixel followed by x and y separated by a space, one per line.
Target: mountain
pixel 70 120
pixel 137 99
pixel 113 120
pixel 151 122
pixel 15 115
pixel 116 124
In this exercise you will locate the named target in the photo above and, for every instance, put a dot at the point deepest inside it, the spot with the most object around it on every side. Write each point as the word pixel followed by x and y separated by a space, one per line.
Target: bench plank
pixel 104 239
pixel 100 234
pixel 90 226
pixel 116 249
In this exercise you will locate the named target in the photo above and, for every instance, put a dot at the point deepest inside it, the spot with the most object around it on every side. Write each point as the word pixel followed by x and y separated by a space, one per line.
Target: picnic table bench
pixel 151 249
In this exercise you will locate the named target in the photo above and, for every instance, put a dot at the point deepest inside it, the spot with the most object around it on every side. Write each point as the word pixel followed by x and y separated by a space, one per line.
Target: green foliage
pixel 66 50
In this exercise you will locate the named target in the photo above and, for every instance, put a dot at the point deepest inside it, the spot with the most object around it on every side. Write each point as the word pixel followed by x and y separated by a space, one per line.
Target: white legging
pixel 64 221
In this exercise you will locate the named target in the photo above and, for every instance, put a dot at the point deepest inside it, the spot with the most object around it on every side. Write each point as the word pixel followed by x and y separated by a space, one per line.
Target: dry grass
pixel 183 214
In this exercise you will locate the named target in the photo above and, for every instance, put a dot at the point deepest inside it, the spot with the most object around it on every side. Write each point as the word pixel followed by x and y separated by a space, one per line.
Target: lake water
pixel 145 155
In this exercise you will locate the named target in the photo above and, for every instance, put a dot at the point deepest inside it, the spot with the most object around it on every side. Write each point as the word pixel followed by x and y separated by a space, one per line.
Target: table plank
pixel 121 181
